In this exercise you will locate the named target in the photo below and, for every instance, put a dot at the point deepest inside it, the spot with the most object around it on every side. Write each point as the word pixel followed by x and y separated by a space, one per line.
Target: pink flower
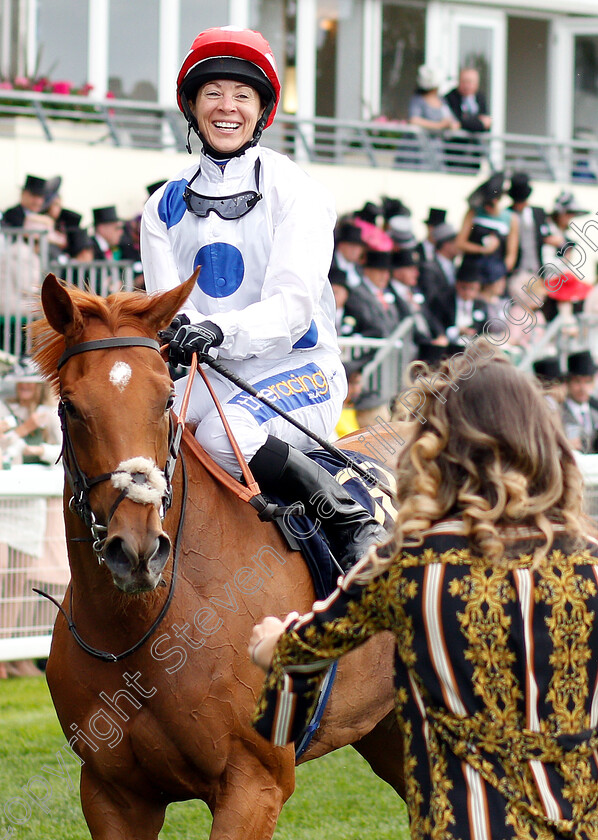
pixel 61 87
pixel 21 82
pixel 5 86
pixel 39 86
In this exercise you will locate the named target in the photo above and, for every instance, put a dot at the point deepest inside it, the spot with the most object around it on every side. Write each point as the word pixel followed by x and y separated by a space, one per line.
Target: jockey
pixel 261 232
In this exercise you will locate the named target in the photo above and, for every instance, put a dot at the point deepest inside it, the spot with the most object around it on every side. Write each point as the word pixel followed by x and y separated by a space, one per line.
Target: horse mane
pixel 122 309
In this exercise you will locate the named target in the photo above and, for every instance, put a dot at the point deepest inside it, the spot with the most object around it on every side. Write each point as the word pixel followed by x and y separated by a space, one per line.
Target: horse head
pixel 115 395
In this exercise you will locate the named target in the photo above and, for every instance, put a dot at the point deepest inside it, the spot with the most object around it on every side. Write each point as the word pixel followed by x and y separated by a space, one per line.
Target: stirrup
pixel 270 512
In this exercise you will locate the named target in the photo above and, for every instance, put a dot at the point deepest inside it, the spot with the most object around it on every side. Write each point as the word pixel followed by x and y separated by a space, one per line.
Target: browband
pixel 105 343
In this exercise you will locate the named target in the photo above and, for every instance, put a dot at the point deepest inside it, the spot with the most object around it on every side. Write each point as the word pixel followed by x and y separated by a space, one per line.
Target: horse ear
pixel 63 315
pixel 167 304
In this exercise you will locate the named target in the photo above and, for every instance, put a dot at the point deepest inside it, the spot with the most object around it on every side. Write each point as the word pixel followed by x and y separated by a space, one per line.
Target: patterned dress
pixel 496 682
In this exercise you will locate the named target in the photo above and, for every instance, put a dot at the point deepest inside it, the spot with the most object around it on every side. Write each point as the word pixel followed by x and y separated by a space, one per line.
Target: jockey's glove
pixel 194 338
pixel 171 330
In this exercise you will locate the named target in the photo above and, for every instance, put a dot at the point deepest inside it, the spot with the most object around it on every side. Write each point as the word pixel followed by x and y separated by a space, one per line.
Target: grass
pixel 336 796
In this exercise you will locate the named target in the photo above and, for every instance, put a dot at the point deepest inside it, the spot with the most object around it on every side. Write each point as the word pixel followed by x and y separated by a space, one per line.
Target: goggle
pixel 226 206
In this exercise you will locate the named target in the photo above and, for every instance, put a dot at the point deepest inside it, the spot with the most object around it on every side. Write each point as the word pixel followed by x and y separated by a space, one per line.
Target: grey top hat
pixel 444 233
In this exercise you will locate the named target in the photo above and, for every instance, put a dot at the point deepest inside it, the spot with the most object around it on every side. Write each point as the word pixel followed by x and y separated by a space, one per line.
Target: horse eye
pixel 70 408
pixel 169 402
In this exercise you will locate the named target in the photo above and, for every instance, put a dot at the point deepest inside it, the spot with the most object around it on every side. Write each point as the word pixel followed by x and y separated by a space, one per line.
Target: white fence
pixel 32 554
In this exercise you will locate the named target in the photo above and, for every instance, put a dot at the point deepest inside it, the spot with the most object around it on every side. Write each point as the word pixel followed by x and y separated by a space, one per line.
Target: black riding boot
pixel 284 471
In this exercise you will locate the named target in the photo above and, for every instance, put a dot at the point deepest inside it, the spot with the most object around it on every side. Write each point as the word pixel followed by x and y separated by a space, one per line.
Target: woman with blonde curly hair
pixel 490 586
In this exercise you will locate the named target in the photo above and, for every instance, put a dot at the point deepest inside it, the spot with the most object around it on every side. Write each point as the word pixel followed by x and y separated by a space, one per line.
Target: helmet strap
pixel 188 144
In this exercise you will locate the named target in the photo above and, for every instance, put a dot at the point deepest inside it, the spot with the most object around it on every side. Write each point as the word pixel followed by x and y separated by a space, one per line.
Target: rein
pixel 80 486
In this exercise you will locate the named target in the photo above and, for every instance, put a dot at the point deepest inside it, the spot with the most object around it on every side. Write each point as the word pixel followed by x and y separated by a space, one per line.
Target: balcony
pixel 143 125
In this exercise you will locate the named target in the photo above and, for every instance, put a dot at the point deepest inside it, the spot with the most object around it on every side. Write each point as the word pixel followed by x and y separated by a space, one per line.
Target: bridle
pixel 81 484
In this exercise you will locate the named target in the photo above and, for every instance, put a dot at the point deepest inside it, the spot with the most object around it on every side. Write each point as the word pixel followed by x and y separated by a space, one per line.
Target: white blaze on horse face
pixel 120 375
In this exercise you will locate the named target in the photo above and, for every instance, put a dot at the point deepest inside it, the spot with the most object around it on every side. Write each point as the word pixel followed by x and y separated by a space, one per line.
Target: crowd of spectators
pixel 460 280
pixel 40 209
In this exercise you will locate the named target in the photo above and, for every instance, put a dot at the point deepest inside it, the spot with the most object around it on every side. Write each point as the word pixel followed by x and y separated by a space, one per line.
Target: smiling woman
pixel 261 233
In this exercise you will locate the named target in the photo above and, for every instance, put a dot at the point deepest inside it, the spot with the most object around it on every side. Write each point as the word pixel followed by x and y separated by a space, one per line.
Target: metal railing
pixel 24 262
pixel 138 124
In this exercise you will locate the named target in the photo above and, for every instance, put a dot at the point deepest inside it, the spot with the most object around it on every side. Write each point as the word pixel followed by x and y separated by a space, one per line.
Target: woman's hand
pixel 264 637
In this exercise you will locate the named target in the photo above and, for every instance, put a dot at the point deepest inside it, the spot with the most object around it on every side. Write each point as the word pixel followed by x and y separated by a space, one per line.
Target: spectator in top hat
pixel 547 371
pixel 580 409
pixel 437 276
pixel 534 230
pixel 340 289
pixel 107 234
pixel 489 234
pixel 349 249
pixel 463 312
pixel 371 303
pixel 467 104
pixel 409 300
pixel 68 219
pixel 79 245
pixel 400 231
pixel 427 246
pixel 33 194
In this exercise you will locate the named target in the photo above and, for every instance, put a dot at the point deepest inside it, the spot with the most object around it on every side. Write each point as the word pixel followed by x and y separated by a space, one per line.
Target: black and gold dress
pixel 496 683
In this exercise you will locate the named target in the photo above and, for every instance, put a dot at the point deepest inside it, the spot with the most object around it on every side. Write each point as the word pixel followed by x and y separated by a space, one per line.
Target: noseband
pixel 138 478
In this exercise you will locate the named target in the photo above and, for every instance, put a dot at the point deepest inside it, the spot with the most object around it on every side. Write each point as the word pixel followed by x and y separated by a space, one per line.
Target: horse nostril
pixel 160 555
pixel 118 557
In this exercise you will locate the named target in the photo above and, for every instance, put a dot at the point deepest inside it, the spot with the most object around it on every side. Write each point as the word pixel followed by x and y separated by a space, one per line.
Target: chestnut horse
pixel 148 668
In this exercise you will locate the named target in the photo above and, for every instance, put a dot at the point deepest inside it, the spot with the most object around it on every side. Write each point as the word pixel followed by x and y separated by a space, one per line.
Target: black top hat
pixel 393 207
pixel 77 239
pixel 469 270
pixel 488 191
pixel 151 188
pixel 377 259
pixel 548 368
pixel 102 215
pixel 433 354
pixel 520 188
pixel 404 258
pixel 435 217
pixel 369 212
pixel 349 233
pixel 581 364
pixel 69 219
pixel 35 185
pixel 337 276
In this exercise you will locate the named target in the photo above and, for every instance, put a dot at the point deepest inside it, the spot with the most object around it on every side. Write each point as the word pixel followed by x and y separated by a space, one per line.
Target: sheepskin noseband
pixel 141 480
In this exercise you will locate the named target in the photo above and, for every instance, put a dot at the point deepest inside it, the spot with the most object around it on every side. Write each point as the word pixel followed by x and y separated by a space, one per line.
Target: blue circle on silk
pixel 222 269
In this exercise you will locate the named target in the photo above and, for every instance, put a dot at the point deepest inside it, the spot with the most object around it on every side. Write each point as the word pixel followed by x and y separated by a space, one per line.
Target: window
pixel 403 44
pixel 61 27
pixel 133 49
pixel 197 15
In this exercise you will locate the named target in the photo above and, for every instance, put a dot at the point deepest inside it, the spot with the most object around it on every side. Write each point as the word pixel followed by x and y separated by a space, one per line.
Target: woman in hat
pixel 29 423
pixel 489 235
pixel 261 233
pixel 427 108
pixel 489 588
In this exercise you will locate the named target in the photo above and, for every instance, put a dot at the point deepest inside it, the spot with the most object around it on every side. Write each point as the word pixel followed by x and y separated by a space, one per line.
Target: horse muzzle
pixel 136 548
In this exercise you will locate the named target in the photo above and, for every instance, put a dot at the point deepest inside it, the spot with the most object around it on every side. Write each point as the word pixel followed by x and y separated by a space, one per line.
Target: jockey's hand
pixel 194 338
pixel 169 333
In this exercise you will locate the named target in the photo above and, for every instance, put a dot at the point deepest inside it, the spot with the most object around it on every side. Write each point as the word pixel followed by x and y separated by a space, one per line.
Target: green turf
pixel 337 796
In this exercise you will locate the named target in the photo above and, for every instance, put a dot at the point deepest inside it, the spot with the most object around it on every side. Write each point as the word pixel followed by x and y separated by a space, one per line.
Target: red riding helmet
pixel 230 53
